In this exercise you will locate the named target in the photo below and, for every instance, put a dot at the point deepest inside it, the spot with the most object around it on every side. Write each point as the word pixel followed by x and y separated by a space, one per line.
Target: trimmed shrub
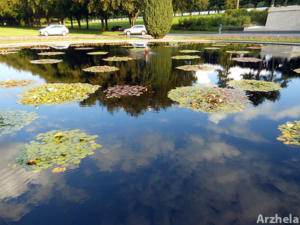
pixel 259 17
pixel 158 17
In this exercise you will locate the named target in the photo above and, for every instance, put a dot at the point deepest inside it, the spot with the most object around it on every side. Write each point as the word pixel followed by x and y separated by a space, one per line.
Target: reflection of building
pixel 280 51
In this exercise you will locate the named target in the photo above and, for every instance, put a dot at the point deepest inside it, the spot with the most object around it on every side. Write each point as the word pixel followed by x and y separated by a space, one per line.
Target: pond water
pixel 159 164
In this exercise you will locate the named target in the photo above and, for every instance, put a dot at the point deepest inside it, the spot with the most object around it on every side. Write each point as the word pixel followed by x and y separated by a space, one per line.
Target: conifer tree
pixel 158 17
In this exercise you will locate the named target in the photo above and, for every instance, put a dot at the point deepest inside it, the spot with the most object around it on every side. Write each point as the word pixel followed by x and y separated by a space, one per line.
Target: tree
pixel 179 6
pixel 229 4
pixel 158 17
pixel 133 9
pixel 202 4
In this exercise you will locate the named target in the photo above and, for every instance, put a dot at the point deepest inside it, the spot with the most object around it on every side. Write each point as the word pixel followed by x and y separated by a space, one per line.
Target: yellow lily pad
pixel 101 69
pixel 290 133
pixel 16 83
pixel 196 68
pixel 51 53
pixel 180 57
pixel 97 53
pixel 247 59
pixel 46 61
pixel 118 59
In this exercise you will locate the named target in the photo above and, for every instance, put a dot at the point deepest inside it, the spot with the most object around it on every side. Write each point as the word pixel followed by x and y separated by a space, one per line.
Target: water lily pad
pixel 84 48
pixel 97 53
pixel 41 48
pixel 254 47
pixel 238 52
pixel 247 59
pixel 119 91
pixel 189 51
pixel 51 53
pixel 255 85
pixel 48 94
pixel 204 67
pixel 46 61
pixel 127 46
pixel 7 52
pixel 297 70
pixel 211 48
pixel 118 59
pixel 58 149
pixel 209 99
pixel 11 121
pixel 290 133
pixel 179 57
pixel 219 45
pixel 15 83
pixel 101 69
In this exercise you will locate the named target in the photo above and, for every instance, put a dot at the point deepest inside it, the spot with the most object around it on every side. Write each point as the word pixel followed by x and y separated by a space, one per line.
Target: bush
pixel 261 4
pixel 259 17
pixel 158 17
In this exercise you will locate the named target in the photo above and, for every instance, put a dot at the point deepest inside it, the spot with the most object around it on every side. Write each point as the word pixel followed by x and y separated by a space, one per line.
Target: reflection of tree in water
pixel 156 74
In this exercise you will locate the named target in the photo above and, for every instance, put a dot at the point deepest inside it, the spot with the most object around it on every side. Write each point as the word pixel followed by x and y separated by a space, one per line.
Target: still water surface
pixel 160 164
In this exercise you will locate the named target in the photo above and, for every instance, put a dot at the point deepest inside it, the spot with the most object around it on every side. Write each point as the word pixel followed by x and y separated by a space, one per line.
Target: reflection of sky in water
pixel 174 166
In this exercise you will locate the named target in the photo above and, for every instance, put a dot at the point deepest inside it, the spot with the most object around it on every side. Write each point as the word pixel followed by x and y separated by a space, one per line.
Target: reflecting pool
pixel 158 164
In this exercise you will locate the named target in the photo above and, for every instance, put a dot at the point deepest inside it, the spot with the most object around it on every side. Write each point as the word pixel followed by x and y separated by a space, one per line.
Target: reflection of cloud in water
pixel 207 77
pixel 209 181
pixel 35 188
pixel 270 111
pixel 237 73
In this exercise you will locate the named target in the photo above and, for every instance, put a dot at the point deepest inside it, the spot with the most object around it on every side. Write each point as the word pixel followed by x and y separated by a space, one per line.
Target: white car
pixel 137 29
pixel 54 30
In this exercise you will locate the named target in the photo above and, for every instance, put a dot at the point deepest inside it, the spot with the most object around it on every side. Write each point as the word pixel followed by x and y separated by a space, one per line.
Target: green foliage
pixel 261 4
pixel 57 149
pixel 158 17
pixel 255 85
pixel 209 99
pixel 259 17
pixel 11 121
pixel 48 94
pixel 290 133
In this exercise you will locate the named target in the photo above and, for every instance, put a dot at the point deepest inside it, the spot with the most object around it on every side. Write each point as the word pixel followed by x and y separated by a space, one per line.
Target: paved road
pixel 241 34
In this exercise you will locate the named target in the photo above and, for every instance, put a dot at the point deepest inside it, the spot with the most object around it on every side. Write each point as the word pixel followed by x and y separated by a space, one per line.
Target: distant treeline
pixel 38 12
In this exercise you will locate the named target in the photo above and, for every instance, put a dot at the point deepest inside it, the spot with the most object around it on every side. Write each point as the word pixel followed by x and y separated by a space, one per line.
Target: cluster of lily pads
pixel 238 52
pixel 41 48
pixel 11 121
pixel 119 91
pixel 118 59
pixel 97 53
pixel 255 85
pixel 290 133
pixel 57 93
pixel 212 48
pixel 58 150
pixel 7 51
pixel 180 57
pixel 15 83
pixel 46 61
pixel 204 67
pixel 101 69
pixel 209 99
pixel 51 53
pixel 84 48
pixel 189 51
pixel 247 59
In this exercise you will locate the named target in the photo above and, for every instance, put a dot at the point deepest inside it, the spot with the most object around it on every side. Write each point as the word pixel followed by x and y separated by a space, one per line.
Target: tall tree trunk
pixel 106 23
pixel 48 20
pixel 133 18
pixel 71 19
pixel 237 4
pixel 79 23
pixel 272 3
pixel 129 18
pixel 102 24
pixel 285 2
pixel 87 22
pixel 62 21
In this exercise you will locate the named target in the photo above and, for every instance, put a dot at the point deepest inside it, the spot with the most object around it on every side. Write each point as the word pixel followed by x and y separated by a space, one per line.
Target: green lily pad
pixel 196 68
pixel 219 45
pixel 118 59
pixel 101 69
pixel 41 48
pixel 84 48
pixel 209 99
pixel 46 61
pixel 15 83
pixel 6 52
pixel 211 48
pixel 48 94
pixel 97 53
pixel 51 53
pixel 297 70
pixel 247 59
pixel 119 91
pixel 57 149
pixel 254 47
pixel 11 121
pixel 238 52
pixel 179 57
pixel 254 85
pixel 189 51
pixel 290 133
